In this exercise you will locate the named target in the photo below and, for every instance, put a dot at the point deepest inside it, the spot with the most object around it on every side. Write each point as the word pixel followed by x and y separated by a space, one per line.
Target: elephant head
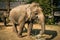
pixel 32 11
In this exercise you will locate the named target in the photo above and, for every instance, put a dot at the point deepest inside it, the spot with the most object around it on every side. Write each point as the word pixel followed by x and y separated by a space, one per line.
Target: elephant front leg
pixel 21 26
pixel 42 23
pixel 30 25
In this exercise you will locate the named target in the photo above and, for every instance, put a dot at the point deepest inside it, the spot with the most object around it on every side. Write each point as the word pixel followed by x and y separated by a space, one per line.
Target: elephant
pixel 26 13
pixel 5 18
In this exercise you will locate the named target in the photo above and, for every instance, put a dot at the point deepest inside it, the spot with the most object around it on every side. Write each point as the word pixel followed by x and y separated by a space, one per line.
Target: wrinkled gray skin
pixel 26 13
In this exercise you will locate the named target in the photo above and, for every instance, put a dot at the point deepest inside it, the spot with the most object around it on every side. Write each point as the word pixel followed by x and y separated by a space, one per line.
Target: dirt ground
pixel 52 32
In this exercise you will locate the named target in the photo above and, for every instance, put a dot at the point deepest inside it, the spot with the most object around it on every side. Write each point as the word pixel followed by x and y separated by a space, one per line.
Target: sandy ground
pixel 52 32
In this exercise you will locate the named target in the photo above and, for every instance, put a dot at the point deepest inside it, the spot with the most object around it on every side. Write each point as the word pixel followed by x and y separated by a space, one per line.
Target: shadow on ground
pixel 47 32
pixel 36 32
pixel 3 26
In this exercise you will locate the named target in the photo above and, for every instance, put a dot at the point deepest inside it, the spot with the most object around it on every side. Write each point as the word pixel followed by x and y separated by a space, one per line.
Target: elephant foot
pixel 28 37
pixel 15 31
pixel 29 33
pixel 20 36
pixel 41 32
pixel 39 36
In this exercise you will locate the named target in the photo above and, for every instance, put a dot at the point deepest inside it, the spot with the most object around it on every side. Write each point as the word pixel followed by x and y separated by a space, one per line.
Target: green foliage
pixel 49 20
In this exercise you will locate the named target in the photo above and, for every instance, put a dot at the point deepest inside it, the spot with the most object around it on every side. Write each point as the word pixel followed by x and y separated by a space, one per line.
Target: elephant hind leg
pixel 15 28
pixel 21 26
